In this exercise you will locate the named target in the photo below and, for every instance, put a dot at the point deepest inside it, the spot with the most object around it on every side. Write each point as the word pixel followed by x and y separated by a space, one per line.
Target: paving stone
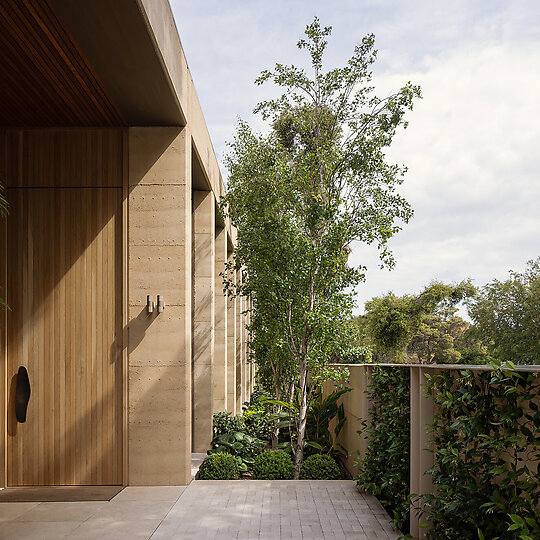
pixel 204 510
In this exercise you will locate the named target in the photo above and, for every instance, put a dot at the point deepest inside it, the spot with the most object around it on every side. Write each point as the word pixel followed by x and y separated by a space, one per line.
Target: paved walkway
pixel 251 509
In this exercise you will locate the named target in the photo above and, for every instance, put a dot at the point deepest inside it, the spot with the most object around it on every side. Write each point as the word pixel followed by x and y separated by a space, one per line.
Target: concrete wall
pixel 159 363
pixel 187 362
pixel 220 323
pixel 190 360
pixel 231 347
pixel 203 318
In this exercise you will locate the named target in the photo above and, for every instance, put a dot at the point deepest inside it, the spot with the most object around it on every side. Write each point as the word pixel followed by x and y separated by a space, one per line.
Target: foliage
pixel 273 465
pixel 321 412
pixel 242 446
pixel 486 473
pixel 244 435
pixel 257 416
pixel 507 316
pixel 225 422
pixel 320 467
pixel 384 471
pixel 299 197
pixel 420 327
pixel 220 466
pixel 254 420
pixel 470 347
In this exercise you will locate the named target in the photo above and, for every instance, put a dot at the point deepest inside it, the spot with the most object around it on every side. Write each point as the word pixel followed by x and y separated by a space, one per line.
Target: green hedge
pixel 220 466
pixel 384 471
pixel 486 431
pixel 273 465
pixel 320 467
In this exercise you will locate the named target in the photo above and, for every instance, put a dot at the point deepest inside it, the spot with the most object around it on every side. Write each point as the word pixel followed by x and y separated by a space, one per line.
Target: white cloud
pixel 473 180
pixel 472 146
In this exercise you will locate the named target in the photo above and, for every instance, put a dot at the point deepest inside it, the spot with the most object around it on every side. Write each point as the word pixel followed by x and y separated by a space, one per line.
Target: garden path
pixel 239 509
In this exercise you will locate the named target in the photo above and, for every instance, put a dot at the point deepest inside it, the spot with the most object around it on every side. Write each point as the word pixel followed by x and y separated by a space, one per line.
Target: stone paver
pixel 248 510
pixel 259 509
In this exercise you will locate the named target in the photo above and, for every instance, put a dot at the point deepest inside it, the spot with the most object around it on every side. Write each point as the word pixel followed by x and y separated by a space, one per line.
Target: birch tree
pixel 299 196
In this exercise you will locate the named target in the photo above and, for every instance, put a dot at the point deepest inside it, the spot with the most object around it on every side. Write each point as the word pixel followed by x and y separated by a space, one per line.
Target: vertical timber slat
pixel 62 309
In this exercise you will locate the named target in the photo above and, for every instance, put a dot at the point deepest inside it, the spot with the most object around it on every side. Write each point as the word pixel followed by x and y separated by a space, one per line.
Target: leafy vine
pixel 486 435
pixel 384 471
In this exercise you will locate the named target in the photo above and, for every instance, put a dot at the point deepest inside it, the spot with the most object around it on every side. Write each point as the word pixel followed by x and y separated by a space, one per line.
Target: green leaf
pixel 516 519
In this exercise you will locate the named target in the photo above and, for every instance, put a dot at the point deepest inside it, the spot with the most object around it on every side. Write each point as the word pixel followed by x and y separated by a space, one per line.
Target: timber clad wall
pixel 45 80
pixel 65 318
pixel 112 184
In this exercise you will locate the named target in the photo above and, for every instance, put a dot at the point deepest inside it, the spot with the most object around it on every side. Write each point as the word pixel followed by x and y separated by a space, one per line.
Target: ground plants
pixel 219 466
pixel 384 471
pixel 273 465
pixel 323 409
pixel 257 416
pixel 487 454
pixel 225 422
pixel 320 467
pixel 242 446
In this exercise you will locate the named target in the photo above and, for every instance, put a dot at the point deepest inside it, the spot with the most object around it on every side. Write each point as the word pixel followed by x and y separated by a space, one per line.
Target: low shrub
pixel 225 422
pixel 242 446
pixel 273 465
pixel 220 466
pixel 320 467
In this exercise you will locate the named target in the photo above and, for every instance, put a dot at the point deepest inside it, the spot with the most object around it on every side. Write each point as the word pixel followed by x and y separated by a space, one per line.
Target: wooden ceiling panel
pixel 45 79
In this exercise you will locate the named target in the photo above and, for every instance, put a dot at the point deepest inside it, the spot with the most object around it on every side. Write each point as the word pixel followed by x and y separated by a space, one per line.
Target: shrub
pixel 224 422
pixel 258 423
pixel 257 415
pixel 220 466
pixel 384 472
pixel 486 474
pixel 320 467
pixel 242 446
pixel 273 465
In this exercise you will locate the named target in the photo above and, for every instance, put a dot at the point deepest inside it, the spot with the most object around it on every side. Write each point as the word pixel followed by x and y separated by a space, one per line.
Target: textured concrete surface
pixel 250 509
pixel 159 353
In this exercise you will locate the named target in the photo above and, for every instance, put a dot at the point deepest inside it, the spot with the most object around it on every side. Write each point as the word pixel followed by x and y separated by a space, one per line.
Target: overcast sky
pixel 473 144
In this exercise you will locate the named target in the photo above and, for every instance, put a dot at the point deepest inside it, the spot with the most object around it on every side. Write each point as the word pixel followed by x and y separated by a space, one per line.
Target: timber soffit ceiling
pixel 83 63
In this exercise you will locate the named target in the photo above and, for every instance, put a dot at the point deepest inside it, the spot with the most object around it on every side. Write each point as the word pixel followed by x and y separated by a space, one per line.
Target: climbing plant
pixel 486 435
pixel 384 471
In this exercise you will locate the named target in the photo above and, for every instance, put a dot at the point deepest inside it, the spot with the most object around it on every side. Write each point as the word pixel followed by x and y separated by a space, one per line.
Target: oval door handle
pixel 22 394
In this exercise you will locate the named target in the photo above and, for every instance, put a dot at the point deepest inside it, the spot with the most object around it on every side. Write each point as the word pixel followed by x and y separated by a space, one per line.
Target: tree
pixel 422 328
pixel 299 196
pixel 507 316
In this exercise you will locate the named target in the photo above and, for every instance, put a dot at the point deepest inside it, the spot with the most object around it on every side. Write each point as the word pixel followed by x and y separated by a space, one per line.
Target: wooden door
pixel 64 324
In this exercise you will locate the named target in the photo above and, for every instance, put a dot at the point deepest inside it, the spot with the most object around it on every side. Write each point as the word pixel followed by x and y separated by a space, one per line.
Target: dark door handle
pixel 22 394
